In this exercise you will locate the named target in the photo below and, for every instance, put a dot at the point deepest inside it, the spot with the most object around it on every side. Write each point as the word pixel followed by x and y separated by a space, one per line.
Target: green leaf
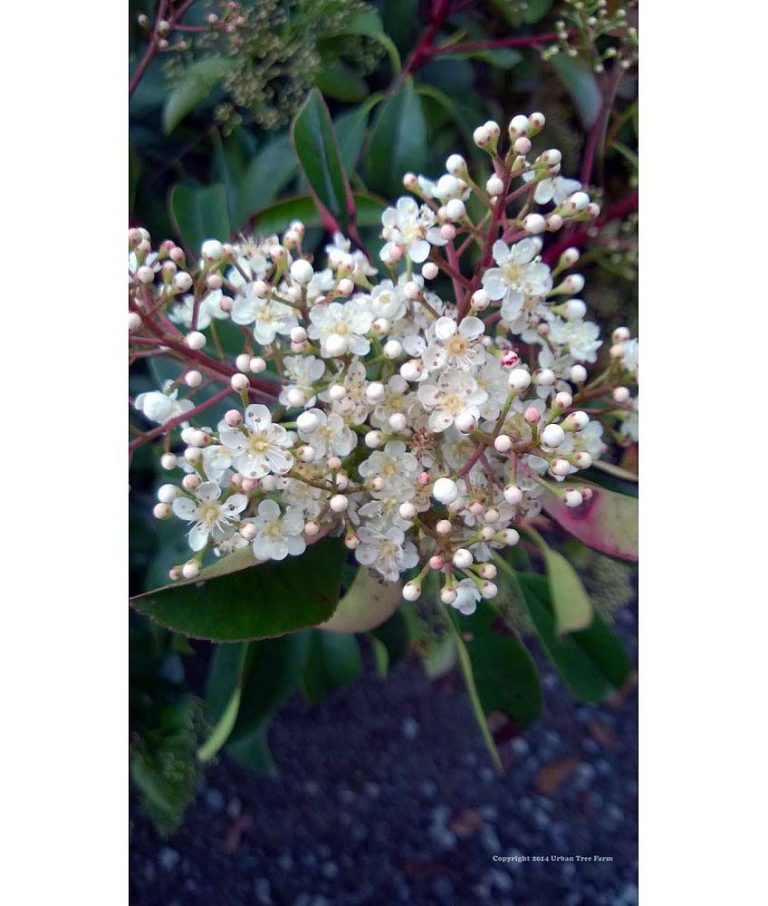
pixel 469 678
pixel 398 141
pixel 199 80
pixel 319 157
pixel 267 174
pixel 276 217
pixel 536 9
pixel 607 521
pixel 231 602
pixel 505 673
pixel 582 85
pixel 199 213
pixel 350 129
pixel 333 660
pixel 367 23
pixel 338 81
pixel 393 636
pixel 367 603
pixel 272 671
pixel 573 609
pixel 591 661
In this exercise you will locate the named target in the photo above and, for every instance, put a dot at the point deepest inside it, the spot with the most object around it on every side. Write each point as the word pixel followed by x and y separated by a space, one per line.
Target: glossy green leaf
pixel 607 522
pixel 367 603
pixel 573 609
pixel 592 661
pixel 536 9
pixel 350 130
pixel 276 218
pixel 231 602
pixel 398 141
pixel 199 213
pixel 341 83
pixel 393 636
pixel 273 167
pixel 272 671
pixel 456 630
pixel 198 81
pixel 505 673
pixel 582 85
pixel 320 159
pixel 333 660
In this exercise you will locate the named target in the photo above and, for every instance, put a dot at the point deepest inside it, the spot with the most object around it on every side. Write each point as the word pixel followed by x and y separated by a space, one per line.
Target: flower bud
pixel 168 461
pixel 456 165
pixel 182 282
pixel 430 270
pixel 532 415
pixel 374 439
pixel 462 558
pixel 239 382
pixel 552 435
pixel 620 335
pixel 375 391
pixel 494 185
pixel 214 281
pixel 578 374
pixel 397 421
pixel 534 223
pixel 411 591
pixel 233 418
pixel 190 482
pixel 573 497
pixel 563 400
pixel 162 511
pixel 561 467
pixel 307 422
pixel 575 309
pixel 465 422
pixel 513 494
pixel 621 394
pixel 336 344
pixel 519 378
pixel 518 125
pixel 257 365
pixel 445 490
pixel 301 271
pixel 544 377
pixel 576 421
pixel 481 137
pixel 455 209
pixel 134 321
pixel 511 536
pixel 503 443
pixel 443 527
pixel 336 392
pixel 411 370
pixel 191 569
pixel 212 249
pixel 311 528
pixel 167 493
pixel 145 275
pixel 582 460
pixel 345 287
pixel 393 349
pixel 193 378
pixel 448 595
pixel 243 362
pixel 489 590
pixel 338 503
pixel 407 510
pixel 195 339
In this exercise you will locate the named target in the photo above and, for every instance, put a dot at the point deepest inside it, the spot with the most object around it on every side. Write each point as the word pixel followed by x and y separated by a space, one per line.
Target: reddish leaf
pixel 607 522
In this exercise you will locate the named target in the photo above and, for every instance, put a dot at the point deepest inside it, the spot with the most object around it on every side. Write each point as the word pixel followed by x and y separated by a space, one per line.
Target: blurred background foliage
pixel 406 82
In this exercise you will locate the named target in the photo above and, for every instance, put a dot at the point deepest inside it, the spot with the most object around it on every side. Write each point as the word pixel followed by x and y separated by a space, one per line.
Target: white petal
pixel 418 251
pixel 445 328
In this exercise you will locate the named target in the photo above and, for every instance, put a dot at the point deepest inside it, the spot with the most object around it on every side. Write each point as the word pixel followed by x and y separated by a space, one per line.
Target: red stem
pixel 424 49
pixel 180 419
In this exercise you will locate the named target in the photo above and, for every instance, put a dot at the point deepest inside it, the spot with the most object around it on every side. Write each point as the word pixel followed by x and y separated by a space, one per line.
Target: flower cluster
pixel 421 426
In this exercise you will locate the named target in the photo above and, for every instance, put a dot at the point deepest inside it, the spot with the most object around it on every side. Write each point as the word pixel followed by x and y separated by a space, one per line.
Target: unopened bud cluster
pixel 422 427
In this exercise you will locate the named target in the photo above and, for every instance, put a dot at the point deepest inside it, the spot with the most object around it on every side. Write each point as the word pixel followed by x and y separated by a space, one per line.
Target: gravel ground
pixel 387 795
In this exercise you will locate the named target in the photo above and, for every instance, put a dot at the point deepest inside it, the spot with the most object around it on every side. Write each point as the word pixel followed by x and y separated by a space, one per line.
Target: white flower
pixel 332 437
pixel 393 464
pixel 455 393
pixel 253 260
pixel 456 346
pixel 340 255
pixel 630 424
pixel 581 337
pixel 269 318
pixel 556 189
pixel 210 307
pixel 388 301
pixel 210 517
pixel 447 187
pixel 259 448
pixel 410 229
pixel 354 407
pixel 277 534
pixel 467 596
pixel 159 406
pixel 347 324
pixel 630 355
pixel 385 550
pixel 301 372
pixel 519 275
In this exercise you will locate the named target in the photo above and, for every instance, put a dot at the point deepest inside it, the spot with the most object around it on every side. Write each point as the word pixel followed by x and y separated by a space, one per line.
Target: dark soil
pixel 387 795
